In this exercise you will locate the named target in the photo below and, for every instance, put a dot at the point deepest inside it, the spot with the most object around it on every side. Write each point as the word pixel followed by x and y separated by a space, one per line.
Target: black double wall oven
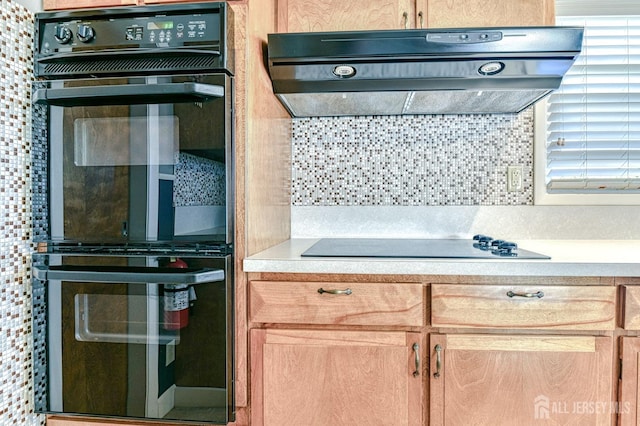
pixel 133 213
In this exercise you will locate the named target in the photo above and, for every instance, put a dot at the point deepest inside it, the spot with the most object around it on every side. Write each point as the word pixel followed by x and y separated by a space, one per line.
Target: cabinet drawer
pixel 523 307
pixel 631 307
pixel 312 303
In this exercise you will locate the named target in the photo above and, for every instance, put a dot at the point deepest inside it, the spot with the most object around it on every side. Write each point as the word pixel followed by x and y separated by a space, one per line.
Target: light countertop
pixel 608 258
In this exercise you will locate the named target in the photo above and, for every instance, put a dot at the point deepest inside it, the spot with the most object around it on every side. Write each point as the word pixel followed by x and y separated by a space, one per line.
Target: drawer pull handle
pixel 438 349
pixel 416 351
pixel 538 294
pixel 346 291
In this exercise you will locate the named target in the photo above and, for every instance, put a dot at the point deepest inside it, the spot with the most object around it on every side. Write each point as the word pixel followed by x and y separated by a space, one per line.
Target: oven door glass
pixel 143 159
pixel 140 337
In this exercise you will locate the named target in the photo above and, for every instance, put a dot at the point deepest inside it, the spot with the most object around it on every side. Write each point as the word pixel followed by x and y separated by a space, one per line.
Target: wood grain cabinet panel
pixel 355 303
pixel 488 13
pixel 320 378
pixel 629 388
pixel 188 1
pixel 523 307
pixel 81 4
pixel 521 380
pixel 630 307
pixel 340 15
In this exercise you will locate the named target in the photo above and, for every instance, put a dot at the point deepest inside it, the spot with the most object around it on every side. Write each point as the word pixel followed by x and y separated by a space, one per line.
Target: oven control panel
pixel 141 40
pixel 145 32
pixel 127 28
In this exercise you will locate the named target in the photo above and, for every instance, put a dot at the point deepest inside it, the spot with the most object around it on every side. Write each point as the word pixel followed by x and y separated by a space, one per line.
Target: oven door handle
pixel 128 94
pixel 128 274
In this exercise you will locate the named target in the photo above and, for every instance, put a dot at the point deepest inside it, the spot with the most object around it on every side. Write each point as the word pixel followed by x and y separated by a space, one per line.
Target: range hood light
pixel 344 71
pixel 491 68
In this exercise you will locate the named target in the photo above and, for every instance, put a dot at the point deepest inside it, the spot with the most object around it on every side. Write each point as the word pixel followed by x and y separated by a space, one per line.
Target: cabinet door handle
pixel 405 18
pixel 538 294
pixel 346 291
pixel 438 350
pixel 421 16
pixel 416 351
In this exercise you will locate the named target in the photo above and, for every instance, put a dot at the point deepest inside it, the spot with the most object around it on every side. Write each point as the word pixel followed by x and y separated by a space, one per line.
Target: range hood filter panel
pixel 405 103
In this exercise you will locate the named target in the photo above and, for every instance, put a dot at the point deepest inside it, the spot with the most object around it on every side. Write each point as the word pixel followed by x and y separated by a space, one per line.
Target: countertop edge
pixel 611 258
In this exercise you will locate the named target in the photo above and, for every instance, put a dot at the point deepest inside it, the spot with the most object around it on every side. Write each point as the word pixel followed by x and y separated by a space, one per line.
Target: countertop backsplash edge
pixel 506 222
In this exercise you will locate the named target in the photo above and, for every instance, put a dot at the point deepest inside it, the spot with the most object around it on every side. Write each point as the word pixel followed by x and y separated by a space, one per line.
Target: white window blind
pixel 593 120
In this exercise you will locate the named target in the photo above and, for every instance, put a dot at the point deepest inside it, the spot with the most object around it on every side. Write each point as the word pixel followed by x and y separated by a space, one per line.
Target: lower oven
pixel 145 336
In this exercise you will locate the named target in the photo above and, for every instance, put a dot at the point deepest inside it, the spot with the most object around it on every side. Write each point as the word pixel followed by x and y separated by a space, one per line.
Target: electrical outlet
pixel 515 179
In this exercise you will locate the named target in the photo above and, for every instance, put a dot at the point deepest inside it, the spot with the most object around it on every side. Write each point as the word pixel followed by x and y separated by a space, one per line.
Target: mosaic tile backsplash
pixel 16 382
pixel 199 181
pixel 411 160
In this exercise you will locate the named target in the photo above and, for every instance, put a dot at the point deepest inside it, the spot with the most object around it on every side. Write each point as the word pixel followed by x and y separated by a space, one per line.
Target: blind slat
pixel 593 119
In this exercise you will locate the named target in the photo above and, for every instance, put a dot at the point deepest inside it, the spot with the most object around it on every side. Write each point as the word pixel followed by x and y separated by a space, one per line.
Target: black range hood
pixel 427 71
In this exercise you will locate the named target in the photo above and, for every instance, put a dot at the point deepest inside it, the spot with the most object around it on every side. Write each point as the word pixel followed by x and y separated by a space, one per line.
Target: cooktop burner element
pixel 481 247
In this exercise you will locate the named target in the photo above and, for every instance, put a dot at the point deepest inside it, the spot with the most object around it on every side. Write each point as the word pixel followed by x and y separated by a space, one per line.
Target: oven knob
pixel 506 249
pixel 483 241
pixel 85 33
pixel 62 34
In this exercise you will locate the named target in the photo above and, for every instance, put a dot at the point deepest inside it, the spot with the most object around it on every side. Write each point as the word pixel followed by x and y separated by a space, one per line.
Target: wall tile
pixel 411 160
pixel 16 383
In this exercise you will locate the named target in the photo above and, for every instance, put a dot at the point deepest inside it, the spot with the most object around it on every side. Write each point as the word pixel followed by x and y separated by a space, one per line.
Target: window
pixel 588 131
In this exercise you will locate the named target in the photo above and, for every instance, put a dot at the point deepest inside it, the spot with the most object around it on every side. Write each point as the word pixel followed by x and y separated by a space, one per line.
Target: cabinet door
pixel 80 4
pixel 629 390
pixel 521 380
pixel 185 1
pixel 488 13
pixel 320 377
pixel 340 15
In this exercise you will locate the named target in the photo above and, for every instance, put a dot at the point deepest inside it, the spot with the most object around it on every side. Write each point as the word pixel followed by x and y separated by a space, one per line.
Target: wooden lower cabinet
pixel 511 380
pixel 629 388
pixel 328 377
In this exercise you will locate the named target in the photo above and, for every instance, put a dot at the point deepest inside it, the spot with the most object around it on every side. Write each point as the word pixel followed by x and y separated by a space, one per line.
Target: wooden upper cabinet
pixel 489 13
pixel 81 4
pixel 340 15
pixel 186 1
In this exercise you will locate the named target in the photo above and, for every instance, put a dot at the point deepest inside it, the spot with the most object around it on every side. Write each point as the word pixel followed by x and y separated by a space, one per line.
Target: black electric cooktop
pixel 481 247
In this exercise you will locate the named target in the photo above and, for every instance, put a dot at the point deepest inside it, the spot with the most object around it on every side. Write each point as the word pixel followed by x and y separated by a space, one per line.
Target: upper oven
pixel 139 109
